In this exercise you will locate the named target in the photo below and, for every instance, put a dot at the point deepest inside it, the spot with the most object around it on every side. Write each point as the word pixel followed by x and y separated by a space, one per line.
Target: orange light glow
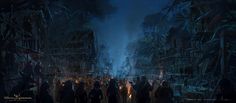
pixel 128 85
pixel 76 81
pixel 130 96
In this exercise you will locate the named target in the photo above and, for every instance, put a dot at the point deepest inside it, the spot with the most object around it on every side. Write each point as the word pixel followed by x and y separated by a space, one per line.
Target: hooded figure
pixel 44 95
pixel 113 91
pixel 96 94
pixel 164 93
pixel 143 95
pixel 81 95
pixel 68 95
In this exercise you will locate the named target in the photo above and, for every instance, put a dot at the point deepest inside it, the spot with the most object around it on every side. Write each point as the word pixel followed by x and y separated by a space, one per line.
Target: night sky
pixel 124 25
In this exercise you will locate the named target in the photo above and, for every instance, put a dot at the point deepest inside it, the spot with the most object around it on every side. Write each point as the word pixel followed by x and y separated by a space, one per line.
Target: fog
pixel 124 25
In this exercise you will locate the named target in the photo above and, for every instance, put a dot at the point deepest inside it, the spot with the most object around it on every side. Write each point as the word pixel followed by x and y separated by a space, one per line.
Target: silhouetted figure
pixel 113 92
pixel 27 24
pixel 67 95
pixel 81 95
pixel 44 95
pixel 135 87
pixel 96 94
pixel 227 93
pixel 164 93
pixel 38 69
pixel 143 95
pixel 124 92
pixel 137 83
pixel 104 89
pixel 28 69
pixel 58 90
pixel 132 95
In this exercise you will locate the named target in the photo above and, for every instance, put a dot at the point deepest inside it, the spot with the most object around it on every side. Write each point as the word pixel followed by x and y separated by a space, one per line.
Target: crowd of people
pixel 104 89
pixel 112 90
pixel 109 90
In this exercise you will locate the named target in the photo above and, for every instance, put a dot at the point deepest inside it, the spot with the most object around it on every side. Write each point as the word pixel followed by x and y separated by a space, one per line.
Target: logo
pixel 17 97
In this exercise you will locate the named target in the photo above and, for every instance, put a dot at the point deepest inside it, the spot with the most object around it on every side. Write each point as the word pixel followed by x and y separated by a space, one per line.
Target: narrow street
pixel 117 51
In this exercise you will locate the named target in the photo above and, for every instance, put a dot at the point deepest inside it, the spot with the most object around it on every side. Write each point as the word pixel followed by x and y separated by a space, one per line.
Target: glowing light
pixel 161 74
pixel 130 96
pixel 120 87
pixel 128 85
pixel 76 81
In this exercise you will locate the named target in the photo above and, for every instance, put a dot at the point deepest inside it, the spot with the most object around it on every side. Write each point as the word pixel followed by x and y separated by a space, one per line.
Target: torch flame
pixel 128 85
pixel 120 87
pixel 130 96
pixel 76 81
